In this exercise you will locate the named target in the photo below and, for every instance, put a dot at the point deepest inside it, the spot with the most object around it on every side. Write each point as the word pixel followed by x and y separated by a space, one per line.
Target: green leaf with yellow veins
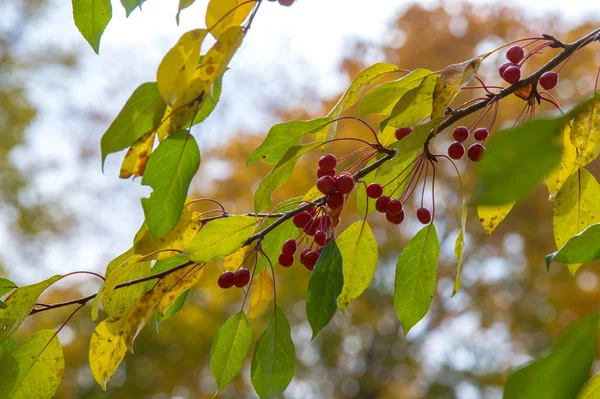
pixel 567 166
pixel 585 134
pixel 34 369
pixel 221 237
pixel 413 106
pixel 491 216
pixel 91 18
pixel 224 14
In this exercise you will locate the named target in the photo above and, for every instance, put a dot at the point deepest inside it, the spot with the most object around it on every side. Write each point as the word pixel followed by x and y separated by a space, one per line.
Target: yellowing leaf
pixel 137 156
pixel 576 207
pixel 491 216
pixel 591 389
pixel 186 282
pixel 312 194
pixel 413 106
pixel 568 165
pixel 165 124
pixel 585 134
pixel 232 262
pixel 459 246
pixel 178 67
pixel 262 293
pixel 223 14
pixel 217 58
pixel 117 300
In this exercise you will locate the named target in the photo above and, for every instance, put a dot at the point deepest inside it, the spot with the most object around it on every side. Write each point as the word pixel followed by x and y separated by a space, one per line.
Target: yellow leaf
pixel 262 293
pixel 576 207
pixel 165 124
pixel 459 246
pixel 137 156
pixel 178 67
pixel 217 58
pixel 223 14
pixel 185 283
pixel 585 134
pixel 312 194
pixel 568 165
pixel 113 336
pixel 234 261
pixel 491 216
pixel 452 79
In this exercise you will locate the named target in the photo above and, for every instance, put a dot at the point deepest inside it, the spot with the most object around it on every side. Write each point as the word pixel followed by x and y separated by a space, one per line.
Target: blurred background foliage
pixel 509 307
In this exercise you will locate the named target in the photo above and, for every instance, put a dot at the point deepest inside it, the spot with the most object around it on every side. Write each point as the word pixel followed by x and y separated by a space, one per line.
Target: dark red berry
pixel 515 54
pixel 286 3
pixel 286 260
pixel 549 80
pixel 289 247
pixel 476 152
pixel 323 222
pixel 461 133
pixel 321 237
pixel 481 134
pixel 226 280
pixel 326 184
pixel 503 68
pixel 345 184
pixel 512 74
pixel 310 259
pixel 335 200
pixel 456 150
pixel 394 207
pixel 395 219
pixel 424 215
pixel 303 254
pixel 402 132
pixel 311 228
pixel 311 211
pixel 381 203
pixel 241 278
pixel 374 190
pixel 328 162
pixel 321 172
pixel 301 219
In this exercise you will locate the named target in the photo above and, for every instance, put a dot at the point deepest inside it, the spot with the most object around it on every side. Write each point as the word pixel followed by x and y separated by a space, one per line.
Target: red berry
pixel 394 207
pixel 395 219
pixel 311 228
pixel 328 162
pixel 289 247
pixel 345 184
pixel 381 203
pixel 549 80
pixel 321 237
pixel 286 260
pixel 456 150
pixel 503 68
pixel 241 278
pixel 286 3
pixel 476 152
pixel 374 190
pixel 323 222
pixel 311 211
pixel 321 172
pixel 402 132
pixel 424 215
pixel 300 220
pixel 481 134
pixel 335 200
pixel 303 254
pixel 515 54
pixel 461 133
pixel 310 259
pixel 512 74
pixel 226 280
pixel 326 184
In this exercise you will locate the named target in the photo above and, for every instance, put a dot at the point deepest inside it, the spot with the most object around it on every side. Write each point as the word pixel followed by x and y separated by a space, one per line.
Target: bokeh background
pixel 59 213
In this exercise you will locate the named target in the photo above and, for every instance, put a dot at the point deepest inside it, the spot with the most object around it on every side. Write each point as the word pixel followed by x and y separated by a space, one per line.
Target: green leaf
pixel 381 100
pixel 221 237
pixel 517 160
pixel 358 248
pixel 561 374
pixel 183 4
pixel 131 5
pixel 91 18
pixel 229 348
pixel 585 134
pixel 171 311
pixel 274 359
pixel 591 389
pixel 413 106
pixel 582 248
pixel 169 172
pixel 279 175
pixel 19 303
pixel 459 246
pixel 34 369
pixel 117 300
pixel 415 277
pixel 6 286
pixel 141 114
pixel 283 136
pixel 2 305
pixel 7 346
pixel 324 287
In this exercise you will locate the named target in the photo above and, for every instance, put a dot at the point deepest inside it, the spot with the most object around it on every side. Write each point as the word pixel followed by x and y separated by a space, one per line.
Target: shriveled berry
pixel 303 254
pixel 326 184
pixel 394 207
pixel 286 3
pixel 241 278
pixel 300 220
pixel 374 190
pixel 321 172
pixel 456 150
pixel 321 237
pixel 226 280
pixel 402 132
pixel 549 80
pixel 286 260
pixel 335 200
pixel 461 133
pixel 476 152
pixel 503 68
pixel 328 162
pixel 424 215
pixel 310 259
pixel 381 203
pixel 289 247
pixel 481 134
pixel 512 74
pixel 515 54
pixel 345 183
pixel 395 219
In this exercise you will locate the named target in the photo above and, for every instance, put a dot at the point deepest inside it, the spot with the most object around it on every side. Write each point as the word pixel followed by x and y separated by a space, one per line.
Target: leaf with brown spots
pixel 223 14
pixel 491 216
pixel 137 156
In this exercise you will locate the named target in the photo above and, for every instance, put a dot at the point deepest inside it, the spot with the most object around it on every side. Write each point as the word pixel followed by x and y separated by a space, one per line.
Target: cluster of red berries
pixel 511 71
pixel 456 150
pixel 334 186
pixel 240 278
pixel 393 208
pixel 286 3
